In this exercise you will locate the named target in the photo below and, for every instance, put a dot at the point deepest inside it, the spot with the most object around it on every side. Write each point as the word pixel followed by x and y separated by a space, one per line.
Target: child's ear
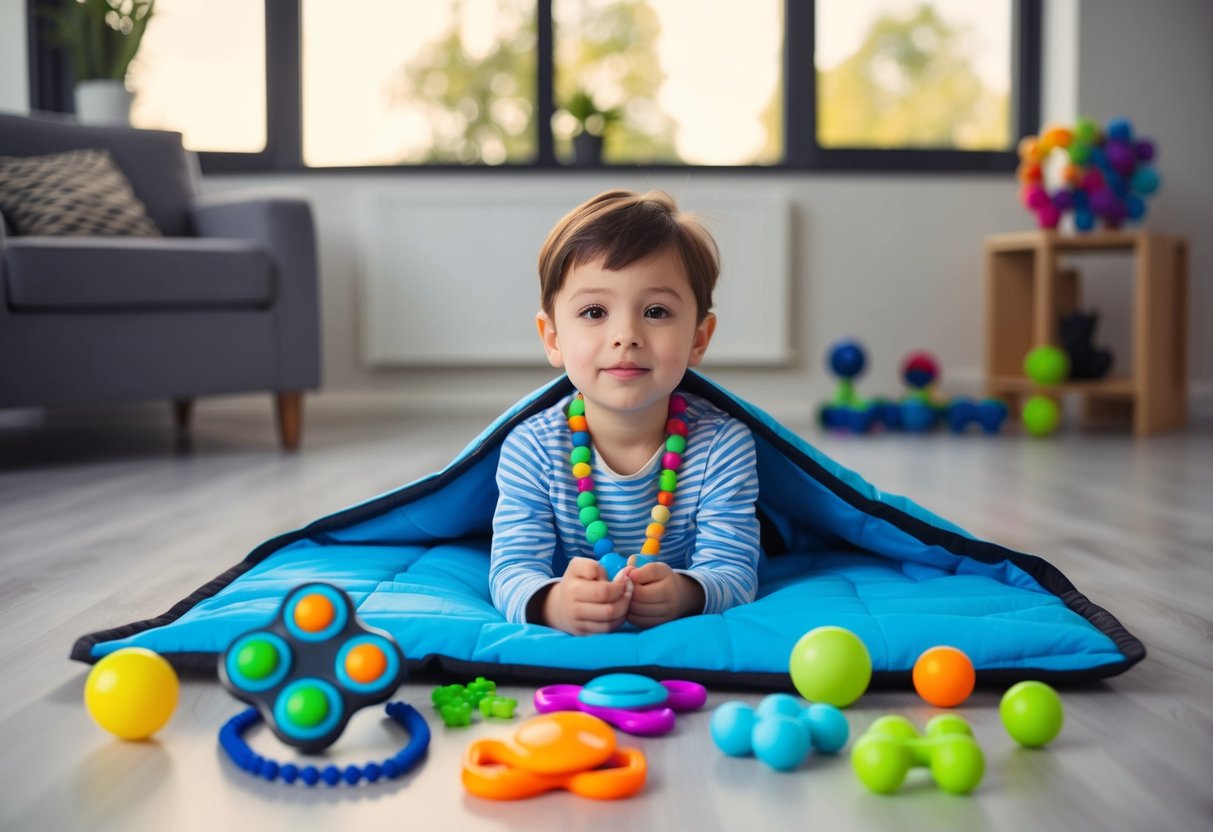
pixel 703 336
pixel 547 334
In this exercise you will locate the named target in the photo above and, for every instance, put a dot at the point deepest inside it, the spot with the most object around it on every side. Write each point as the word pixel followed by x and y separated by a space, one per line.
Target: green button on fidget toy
pixel 312 667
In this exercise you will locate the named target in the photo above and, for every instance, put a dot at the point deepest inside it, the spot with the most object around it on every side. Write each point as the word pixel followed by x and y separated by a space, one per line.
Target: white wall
pixel 14 67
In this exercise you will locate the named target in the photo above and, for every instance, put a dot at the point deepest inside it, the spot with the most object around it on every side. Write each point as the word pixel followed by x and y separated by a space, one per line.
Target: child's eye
pixel 593 312
pixel 657 312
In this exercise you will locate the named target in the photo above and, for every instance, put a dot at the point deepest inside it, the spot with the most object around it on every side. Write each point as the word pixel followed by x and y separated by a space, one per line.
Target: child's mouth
pixel 625 371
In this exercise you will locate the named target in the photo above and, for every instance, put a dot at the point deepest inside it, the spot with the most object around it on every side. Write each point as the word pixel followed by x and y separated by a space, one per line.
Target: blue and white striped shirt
pixel 712 535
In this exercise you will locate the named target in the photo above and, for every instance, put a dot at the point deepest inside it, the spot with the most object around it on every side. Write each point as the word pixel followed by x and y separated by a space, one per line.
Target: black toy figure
pixel 1077 338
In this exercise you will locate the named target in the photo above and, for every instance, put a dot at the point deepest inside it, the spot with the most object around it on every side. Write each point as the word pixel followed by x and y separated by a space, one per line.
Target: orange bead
pixel 666 498
pixel 651 547
pixel 1058 137
pixel 365 663
pixel 314 612
pixel 1029 149
pixel 944 676
pixel 655 531
pixel 1030 172
pixel 578 423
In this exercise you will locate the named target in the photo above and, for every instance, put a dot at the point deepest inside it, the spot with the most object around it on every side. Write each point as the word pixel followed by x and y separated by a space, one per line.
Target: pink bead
pixel 678 405
pixel 585 484
pixel 671 460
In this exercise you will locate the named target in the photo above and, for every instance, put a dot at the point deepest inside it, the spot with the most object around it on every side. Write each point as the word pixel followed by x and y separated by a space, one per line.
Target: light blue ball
pixel 781 742
pixel 731 727
pixel 917 416
pixel 1145 180
pixel 779 703
pixel 828 728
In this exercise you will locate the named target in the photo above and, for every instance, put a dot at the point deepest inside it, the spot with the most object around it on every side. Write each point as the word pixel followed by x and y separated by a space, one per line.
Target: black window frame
pixel 50 90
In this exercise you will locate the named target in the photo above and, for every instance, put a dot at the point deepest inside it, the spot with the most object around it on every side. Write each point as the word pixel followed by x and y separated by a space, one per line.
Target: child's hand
pixel 585 601
pixel 660 594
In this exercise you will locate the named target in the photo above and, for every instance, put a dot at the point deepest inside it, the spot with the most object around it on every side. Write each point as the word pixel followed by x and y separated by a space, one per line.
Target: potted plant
pixel 101 38
pixel 592 122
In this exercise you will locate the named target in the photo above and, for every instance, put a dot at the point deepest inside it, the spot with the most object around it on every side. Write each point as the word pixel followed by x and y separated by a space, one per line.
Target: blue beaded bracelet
pixel 231 738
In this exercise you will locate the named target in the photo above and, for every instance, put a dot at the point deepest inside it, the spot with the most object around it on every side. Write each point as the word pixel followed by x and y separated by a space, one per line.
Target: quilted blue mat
pixel 836 551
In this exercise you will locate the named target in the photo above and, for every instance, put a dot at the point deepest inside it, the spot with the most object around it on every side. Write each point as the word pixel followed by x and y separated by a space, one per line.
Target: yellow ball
pixel 131 693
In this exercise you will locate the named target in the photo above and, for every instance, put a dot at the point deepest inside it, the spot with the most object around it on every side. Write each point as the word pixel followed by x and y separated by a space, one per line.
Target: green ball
pixel 1047 365
pixel 1032 713
pixel 1040 415
pixel 831 665
pixel 957 764
pixel 881 763
pixel 257 659
pixel 307 707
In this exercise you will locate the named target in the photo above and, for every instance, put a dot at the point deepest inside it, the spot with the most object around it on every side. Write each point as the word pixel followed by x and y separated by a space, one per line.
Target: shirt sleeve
pixel 725 558
pixel 524 526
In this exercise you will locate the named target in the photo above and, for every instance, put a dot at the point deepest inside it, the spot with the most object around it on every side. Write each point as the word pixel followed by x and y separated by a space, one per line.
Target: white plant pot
pixel 104 101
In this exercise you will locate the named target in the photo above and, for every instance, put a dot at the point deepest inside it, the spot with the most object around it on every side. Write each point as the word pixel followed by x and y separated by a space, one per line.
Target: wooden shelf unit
pixel 1027 290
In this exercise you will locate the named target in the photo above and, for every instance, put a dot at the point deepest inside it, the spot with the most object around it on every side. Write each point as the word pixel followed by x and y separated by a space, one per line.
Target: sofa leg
pixel 290 419
pixel 183 414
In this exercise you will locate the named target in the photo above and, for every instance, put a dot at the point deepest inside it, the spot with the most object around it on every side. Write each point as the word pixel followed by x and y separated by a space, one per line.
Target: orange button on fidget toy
pixel 566 750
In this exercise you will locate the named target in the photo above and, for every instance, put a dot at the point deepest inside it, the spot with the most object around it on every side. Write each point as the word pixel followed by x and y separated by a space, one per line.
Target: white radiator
pixel 452 280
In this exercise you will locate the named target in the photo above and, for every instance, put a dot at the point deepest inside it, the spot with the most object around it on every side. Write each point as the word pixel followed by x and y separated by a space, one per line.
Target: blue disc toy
pixel 311 668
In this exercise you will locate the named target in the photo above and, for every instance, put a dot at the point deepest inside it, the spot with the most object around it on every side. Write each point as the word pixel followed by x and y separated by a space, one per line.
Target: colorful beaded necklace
pixel 596 532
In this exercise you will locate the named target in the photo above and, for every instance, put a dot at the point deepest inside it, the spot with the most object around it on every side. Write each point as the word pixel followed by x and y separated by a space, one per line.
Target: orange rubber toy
pixel 565 750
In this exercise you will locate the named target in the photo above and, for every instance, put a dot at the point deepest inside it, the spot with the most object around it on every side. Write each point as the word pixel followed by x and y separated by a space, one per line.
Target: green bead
pixel 577 407
pixel 257 660
pixel 586 498
pixel 1047 365
pixel 668 480
pixel 1040 416
pixel 596 531
pixel 580 454
pixel 676 443
pixel 307 707
pixel 588 515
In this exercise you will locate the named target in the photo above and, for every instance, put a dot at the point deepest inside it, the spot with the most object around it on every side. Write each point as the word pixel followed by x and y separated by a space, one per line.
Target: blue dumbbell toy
pixel 892 746
pixel 780 732
pixel 311 668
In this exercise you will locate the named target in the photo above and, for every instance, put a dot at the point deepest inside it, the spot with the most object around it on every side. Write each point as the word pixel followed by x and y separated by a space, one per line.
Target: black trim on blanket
pixel 1047 575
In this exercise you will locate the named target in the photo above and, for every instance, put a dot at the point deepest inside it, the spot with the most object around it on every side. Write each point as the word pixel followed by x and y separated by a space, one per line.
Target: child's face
pixel 626 337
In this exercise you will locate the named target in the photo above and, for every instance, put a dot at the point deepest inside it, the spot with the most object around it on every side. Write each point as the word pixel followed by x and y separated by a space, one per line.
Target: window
pixel 527 84
pixel 223 109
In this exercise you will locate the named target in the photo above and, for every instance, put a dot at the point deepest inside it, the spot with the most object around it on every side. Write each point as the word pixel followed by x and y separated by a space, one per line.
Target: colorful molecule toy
pixel 918 412
pixel 455 703
pixel 780 732
pixel 944 676
pixel 312 667
pixel 632 703
pixel 1106 176
pixel 886 752
pixel 832 665
pixel 1032 713
pixel 566 750
pixel 131 693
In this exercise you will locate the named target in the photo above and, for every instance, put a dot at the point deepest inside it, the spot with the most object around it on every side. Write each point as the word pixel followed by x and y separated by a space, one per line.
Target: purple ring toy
pixel 648 720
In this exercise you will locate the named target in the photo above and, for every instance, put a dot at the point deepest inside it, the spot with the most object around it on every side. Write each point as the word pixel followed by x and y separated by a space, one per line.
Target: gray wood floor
pixel 105 519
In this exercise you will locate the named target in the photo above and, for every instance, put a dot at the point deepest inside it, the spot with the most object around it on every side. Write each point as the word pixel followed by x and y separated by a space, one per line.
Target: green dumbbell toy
pixel 892 746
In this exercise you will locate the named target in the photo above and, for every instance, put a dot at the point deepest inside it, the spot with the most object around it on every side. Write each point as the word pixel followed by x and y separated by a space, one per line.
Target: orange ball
pixel 314 612
pixel 365 663
pixel 944 676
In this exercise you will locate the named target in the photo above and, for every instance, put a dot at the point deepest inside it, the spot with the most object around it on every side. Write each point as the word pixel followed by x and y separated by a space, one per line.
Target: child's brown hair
pixel 622 227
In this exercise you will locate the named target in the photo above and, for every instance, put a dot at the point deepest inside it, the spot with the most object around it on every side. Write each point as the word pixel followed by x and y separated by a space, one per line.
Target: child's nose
pixel 628 334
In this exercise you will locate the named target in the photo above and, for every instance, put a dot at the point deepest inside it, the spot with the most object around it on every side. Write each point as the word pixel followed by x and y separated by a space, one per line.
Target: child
pixel 626 284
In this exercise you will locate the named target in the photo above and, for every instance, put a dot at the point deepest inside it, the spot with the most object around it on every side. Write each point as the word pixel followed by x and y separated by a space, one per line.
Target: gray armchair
pixel 225 302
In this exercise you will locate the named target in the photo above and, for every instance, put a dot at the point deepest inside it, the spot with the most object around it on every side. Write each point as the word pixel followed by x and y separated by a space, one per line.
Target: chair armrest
pixel 283 224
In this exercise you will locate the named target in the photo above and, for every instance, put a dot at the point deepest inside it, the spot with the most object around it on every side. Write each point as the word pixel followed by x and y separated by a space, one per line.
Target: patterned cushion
pixel 73 193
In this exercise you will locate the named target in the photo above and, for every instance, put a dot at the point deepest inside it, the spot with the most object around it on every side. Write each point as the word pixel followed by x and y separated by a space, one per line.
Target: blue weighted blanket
pixel 836 551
